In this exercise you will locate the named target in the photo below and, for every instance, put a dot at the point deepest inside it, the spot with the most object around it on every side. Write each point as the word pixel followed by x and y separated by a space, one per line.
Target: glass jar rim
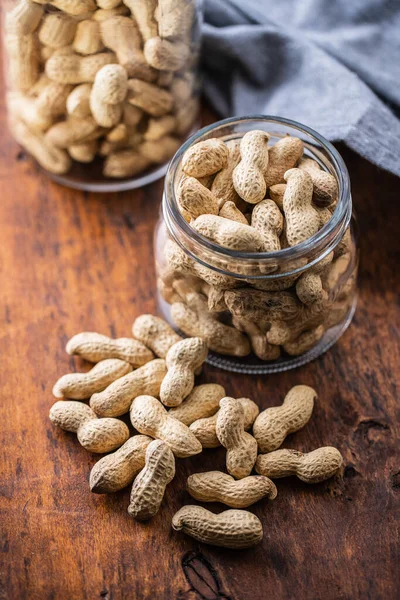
pixel 333 229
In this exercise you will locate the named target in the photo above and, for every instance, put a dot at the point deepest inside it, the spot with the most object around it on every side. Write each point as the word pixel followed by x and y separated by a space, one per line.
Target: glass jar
pixel 102 94
pixel 246 305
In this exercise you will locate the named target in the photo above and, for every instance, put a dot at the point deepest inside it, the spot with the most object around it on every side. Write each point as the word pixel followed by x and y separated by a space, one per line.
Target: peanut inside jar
pixel 257 197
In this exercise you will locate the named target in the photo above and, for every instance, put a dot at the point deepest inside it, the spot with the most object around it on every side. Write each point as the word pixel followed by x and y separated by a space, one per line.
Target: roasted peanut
pixel 57 30
pixel 175 18
pixel 166 55
pixel 257 305
pixel 283 156
pixel 305 341
pixel 73 131
pixel 84 152
pixel 153 100
pixel 95 347
pixel 124 163
pixel 155 333
pixel 325 184
pixel 273 424
pixel 235 529
pixel 94 434
pixel 229 234
pixel 158 128
pixel 65 66
pixel 80 386
pixel 267 219
pixel 230 211
pixel 78 101
pixel 241 447
pixel 71 7
pixel 23 63
pixel 194 199
pixel 108 92
pixel 313 467
pixel 222 186
pixel 161 150
pixel 249 175
pixel 205 158
pixel 48 156
pixel 309 286
pixel 149 486
pixel 302 220
pixel 277 192
pixel 151 418
pixel 87 38
pixel 24 18
pixel 182 360
pixel 116 399
pixel 115 471
pixel 144 11
pixel 258 339
pixel 215 486
pixel 202 402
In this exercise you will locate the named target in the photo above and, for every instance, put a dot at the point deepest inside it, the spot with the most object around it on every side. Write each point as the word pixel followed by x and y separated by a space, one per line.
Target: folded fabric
pixel 333 65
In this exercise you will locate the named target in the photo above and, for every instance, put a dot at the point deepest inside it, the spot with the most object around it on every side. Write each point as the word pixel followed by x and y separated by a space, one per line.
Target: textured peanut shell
pixel 87 38
pixel 163 54
pixel 325 184
pixel 219 337
pixel 215 486
pixel 202 402
pixel 80 386
pixel 267 219
pixel 222 186
pixel 66 67
pixel 73 131
pixel 153 100
pixel 144 13
pixel 125 163
pixel 205 158
pixel 149 486
pixel 155 333
pixel 302 220
pixel 257 305
pixel 249 175
pixel 23 18
pixel 283 156
pixel 70 415
pixel 195 199
pixel 115 471
pixel 312 467
pixel 276 193
pixel 150 417
pixel 305 341
pixel 241 447
pixel 116 399
pixel 229 234
pixel 273 424
pixel 103 435
pixel 236 529
pixel 205 429
pixel 230 211
pixel 159 151
pixel 95 347
pixel 182 360
pixel 258 339
pixel 57 30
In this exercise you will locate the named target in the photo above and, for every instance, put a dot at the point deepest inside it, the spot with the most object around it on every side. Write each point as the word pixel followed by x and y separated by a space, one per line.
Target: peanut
pixel 228 234
pixel 283 156
pixel 230 211
pixel 150 417
pixel 87 38
pixel 305 341
pixel 194 199
pixel 149 486
pixel 267 219
pixel 235 529
pixel 80 386
pixel 222 186
pixel 302 220
pixel 72 7
pixel 155 333
pixel 175 18
pixel 108 92
pixel 202 402
pixel 182 360
pixel 258 339
pixel 309 286
pixel 65 66
pixel 273 424
pixel 48 156
pixel 257 305
pixel 241 447
pixel 24 18
pixel 103 14
pixel 215 486
pixel 115 471
pixel 143 11
pixel 161 150
pixel 249 175
pixel 325 184
pixel 78 101
pixel 23 61
pixel 158 128
pixel 153 100
pixel 116 399
pixel 95 347
pixel 194 319
pixel 57 30
pixel 84 152
pixel 124 163
pixel 312 467
pixel 205 158
pixel 166 55
pixel 73 131
pixel 277 192
pixel 94 434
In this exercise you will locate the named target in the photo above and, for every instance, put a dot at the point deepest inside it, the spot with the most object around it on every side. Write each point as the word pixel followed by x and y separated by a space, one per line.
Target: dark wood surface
pixel 74 261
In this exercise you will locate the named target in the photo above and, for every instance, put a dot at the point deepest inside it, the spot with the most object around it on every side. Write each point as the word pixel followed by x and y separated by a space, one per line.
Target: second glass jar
pixel 246 305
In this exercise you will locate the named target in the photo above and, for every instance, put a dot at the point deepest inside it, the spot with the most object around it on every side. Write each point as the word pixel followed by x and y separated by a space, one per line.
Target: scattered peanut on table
pixel 127 378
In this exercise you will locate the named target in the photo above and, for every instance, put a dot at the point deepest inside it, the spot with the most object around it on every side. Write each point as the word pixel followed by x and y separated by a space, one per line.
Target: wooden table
pixel 74 261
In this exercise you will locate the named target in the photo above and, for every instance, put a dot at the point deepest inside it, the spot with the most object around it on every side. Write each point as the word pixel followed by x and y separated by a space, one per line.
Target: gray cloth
pixel 333 65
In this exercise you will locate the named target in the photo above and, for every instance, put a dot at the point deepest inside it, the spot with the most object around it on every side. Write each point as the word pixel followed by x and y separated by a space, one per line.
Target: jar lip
pixel 341 213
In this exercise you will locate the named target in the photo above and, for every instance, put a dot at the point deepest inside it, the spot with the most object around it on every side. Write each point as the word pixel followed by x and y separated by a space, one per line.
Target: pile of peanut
pixel 109 78
pixel 247 196
pixel 152 377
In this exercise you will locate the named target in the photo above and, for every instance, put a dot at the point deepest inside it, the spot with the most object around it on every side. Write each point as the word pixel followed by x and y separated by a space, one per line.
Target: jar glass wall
pixel 102 94
pixel 247 305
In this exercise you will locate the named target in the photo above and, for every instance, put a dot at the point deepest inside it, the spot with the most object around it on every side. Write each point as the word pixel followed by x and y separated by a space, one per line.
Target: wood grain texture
pixel 72 261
